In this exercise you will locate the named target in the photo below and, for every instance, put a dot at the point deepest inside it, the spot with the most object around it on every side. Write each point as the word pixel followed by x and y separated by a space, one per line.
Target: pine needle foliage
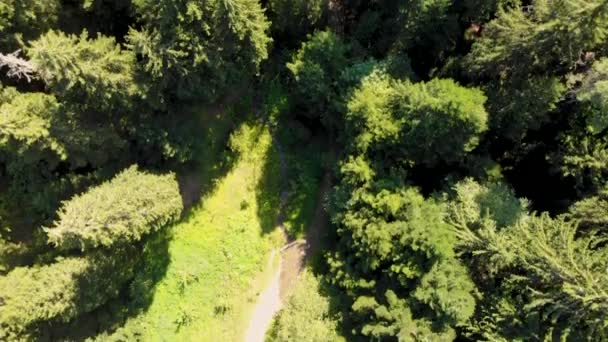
pixel 94 72
pixel 60 291
pixel 122 210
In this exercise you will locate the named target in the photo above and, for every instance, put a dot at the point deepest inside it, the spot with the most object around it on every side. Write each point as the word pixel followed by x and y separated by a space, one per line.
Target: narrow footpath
pixel 293 258
pixel 293 255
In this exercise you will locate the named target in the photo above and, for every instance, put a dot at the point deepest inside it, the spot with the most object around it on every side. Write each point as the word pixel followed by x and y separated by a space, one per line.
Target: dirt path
pixel 293 255
pixel 267 306
pixel 292 261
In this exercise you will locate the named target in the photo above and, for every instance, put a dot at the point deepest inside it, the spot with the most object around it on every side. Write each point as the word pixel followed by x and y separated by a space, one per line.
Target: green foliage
pixel 430 26
pixel 10 254
pixel 541 279
pixel 93 73
pixel 123 210
pixel 306 316
pixel 23 20
pixel 214 254
pixel 60 291
pixel 316 68
pixel 447 290
pixel 585 159
pixel 582 153
pixel 428 123
pixel 590 213
pixel 545 36
pixel 478 213
pixel 483 10
pixel 395 319
pixel 567 282
pixel 190 49
pixel 395 239
pixel 515 108
pixel 295 18
pixel 26 128
pixel 593 94
pixel 358 79
pixel 474 203
pixel 38 135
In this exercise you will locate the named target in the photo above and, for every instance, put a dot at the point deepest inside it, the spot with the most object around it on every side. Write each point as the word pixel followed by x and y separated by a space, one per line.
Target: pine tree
pixel 94 73
pixel 123 210
pixel 193 50
pixel 582 154
pixel 539 277
pixel 61 291
pixel 544 36
pixel 23 20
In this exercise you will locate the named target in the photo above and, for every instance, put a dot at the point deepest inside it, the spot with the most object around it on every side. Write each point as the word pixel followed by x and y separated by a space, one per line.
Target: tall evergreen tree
pixel 543 36
pixel 123 210
pixel 93 73
pixel 59 292
pixel 23 20
pixel 196 50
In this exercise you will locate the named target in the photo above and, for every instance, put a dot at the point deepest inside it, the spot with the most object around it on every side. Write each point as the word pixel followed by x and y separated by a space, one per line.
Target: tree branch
pixel 17 67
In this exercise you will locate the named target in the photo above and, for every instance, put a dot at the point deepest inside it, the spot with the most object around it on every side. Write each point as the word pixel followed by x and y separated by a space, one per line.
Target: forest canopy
pixel 465 143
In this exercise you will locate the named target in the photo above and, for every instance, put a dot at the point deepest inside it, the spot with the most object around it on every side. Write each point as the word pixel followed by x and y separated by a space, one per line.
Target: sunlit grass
pixel 216 256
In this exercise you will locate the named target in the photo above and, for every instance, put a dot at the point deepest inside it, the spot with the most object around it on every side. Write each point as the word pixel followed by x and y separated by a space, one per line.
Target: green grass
pixel 201 278
pixel 303 153
pixel 305 174
pixel 216 256
pixel 307 315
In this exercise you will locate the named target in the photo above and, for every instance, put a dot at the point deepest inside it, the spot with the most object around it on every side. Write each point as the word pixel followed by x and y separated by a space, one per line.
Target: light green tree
pixel 306 315
pixel 123 210
pixel 427 123
pixel 60 291
pixel 94 73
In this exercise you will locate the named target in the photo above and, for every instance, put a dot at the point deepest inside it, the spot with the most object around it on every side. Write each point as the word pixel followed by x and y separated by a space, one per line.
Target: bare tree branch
pixel 17 66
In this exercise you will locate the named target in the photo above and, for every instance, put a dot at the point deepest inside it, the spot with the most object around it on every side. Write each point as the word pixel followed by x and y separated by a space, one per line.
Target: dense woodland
pixel 468 143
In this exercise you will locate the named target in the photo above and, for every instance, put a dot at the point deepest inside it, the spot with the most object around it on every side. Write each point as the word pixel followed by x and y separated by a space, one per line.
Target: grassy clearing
pixel 201 279
pixel 216 255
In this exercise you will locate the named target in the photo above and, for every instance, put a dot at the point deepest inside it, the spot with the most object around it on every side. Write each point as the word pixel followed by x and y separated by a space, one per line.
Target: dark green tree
pixel 23 20
pixel 38 136
pixel 516 108
pixel 192 50
pixel 396 263
pixel 293 19
pixel 541 37
pixel 316 69
pixel 582 152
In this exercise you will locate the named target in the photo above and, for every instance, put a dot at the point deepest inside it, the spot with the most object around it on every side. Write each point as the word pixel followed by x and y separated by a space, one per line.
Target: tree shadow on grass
pixel 133 298
pixel 268 193
pixel 197 178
